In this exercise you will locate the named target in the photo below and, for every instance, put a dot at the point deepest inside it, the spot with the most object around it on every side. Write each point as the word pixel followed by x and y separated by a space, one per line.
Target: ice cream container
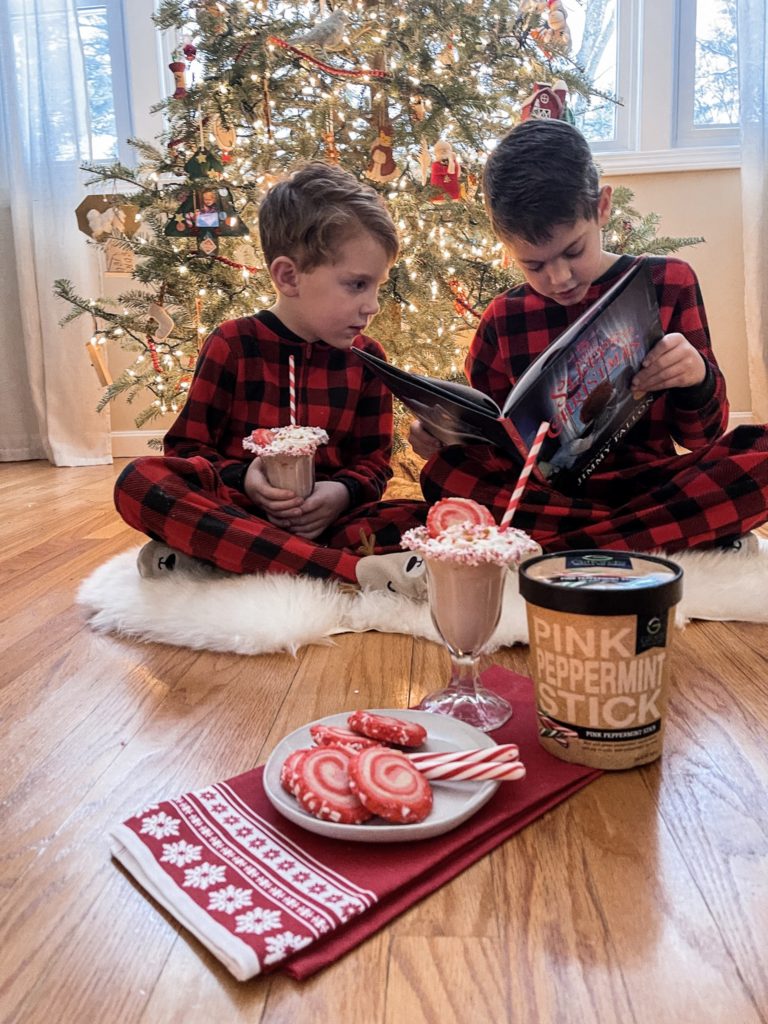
pixel 600 628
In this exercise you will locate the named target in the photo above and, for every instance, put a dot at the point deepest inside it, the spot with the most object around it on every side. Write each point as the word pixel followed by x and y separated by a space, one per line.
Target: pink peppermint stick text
pixel 514 501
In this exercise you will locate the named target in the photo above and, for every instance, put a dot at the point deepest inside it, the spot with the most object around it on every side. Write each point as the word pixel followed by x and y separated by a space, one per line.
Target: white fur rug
pixel 257 614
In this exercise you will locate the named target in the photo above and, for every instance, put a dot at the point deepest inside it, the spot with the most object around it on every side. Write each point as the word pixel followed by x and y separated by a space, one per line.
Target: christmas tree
pixel 409 96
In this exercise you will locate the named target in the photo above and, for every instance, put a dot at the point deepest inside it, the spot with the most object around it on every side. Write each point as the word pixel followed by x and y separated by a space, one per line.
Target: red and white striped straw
pixel 507 771
pixel 292 387
pixel 530 459
pixel 479 755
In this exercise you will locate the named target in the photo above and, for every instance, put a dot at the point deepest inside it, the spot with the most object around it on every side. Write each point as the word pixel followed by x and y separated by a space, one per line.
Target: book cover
pixel 580 384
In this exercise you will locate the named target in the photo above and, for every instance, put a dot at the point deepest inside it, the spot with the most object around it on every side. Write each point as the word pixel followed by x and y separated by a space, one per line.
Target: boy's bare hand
pixel 323 507
pixel 422 442
pixel 672 363
pixel 282 507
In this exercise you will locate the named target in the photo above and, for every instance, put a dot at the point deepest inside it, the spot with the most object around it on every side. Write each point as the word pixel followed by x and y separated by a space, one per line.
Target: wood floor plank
pixel 429 981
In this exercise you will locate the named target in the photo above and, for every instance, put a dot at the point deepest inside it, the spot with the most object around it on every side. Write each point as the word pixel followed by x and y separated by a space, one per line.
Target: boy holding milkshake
pixel 547 206
pixel 234 490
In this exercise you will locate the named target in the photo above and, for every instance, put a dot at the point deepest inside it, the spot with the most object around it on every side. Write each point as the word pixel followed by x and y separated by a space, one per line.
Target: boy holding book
pixel 546 205
pixel 329 242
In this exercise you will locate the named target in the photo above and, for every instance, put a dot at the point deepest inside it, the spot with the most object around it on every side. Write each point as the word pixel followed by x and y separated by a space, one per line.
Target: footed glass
pixel 465 603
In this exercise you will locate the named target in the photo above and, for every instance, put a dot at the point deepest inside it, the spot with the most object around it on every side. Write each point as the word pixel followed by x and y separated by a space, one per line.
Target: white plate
pixel 453 803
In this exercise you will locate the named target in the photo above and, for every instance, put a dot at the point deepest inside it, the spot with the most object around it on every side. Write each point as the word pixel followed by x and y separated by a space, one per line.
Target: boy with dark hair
pixel 330 243
pixel 546 205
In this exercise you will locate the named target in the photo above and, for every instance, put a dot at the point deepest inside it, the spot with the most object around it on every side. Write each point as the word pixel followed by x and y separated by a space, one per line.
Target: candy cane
pixel 509 771
pixel 501 752
pixel 292 387
pixel 530 459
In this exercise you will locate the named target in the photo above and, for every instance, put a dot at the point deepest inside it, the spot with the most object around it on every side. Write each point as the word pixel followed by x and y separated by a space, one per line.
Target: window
pixel 674 68
pixel 708 73
pixel 100 23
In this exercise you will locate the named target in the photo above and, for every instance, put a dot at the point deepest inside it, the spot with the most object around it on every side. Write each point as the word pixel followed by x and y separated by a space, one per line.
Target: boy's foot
pixel 156 560
pixel 399 573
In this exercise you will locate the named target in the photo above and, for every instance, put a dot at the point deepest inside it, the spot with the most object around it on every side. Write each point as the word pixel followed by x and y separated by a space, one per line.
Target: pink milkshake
pixel 467 564
pixel 288 455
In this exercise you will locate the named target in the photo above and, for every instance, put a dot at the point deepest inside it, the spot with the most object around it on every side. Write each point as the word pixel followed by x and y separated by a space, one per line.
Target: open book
pixel 580 384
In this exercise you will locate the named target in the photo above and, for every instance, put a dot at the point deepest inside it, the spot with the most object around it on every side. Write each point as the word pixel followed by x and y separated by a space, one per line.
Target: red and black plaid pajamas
pixel 644 495
pixel 192 498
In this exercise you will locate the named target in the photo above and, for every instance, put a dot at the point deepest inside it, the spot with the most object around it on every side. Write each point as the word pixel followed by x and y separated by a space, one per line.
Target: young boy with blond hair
pixel 329 242
pixel 548 207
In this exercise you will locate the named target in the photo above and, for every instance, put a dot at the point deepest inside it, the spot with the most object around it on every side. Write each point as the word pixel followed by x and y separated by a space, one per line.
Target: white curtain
pixel 753 53
pixel 48 391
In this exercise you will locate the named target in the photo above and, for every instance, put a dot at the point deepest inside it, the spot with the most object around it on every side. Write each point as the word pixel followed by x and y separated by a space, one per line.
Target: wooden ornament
pixel 118 261
pixel 98 362
pixel 98 216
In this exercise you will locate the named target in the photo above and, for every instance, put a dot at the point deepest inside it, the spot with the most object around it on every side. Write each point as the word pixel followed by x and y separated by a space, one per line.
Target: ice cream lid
pixel 291 440
pixel 471 544
pixel 594 582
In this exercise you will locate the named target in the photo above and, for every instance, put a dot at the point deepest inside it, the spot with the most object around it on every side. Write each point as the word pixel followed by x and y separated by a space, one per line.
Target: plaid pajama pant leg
pixel 184 503
pixel 675 503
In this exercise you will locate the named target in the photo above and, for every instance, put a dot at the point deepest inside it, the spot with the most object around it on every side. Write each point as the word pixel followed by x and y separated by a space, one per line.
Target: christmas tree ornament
pixel 329 141
pixel 102 215
pixel 150 342
pixel 418 107
pixel 179 69
pixel 159 314
pixel 207 215
pixel 119 260
pixel 445 173
pixel 95 351
pixel 204 164
pixel 327 35
pixel 546 102
pixel 461 301
pixel 224 134
pixel 425 162
pixel 381 165
pixel 449 55
pixel 531 8
pixel 556 35
pixel 557 20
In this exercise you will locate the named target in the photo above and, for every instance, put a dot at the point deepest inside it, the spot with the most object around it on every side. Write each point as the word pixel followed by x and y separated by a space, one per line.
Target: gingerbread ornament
pixel 382 166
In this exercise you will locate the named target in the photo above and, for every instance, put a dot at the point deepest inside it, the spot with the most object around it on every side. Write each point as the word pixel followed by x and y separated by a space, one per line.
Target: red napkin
pixel 264 894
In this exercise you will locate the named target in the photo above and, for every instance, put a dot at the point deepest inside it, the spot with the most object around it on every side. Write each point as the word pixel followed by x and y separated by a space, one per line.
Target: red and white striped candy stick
pixel 508 771
pixel 292 387
pixel 530 459
pixel 499 753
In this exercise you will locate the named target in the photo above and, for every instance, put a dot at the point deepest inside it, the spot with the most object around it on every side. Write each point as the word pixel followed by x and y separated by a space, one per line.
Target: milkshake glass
pixel 466 569
pixel 288 456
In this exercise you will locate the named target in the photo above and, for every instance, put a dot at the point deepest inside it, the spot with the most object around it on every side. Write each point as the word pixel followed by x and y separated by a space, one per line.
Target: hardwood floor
pixel 644 898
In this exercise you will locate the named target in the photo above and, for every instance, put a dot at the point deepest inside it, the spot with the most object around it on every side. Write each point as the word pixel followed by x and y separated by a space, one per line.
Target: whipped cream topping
pixel 292 440
pixel 471 544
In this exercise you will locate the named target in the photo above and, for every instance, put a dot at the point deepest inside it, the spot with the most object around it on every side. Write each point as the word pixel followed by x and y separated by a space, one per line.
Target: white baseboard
pixel 738 419
pixel 130 444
